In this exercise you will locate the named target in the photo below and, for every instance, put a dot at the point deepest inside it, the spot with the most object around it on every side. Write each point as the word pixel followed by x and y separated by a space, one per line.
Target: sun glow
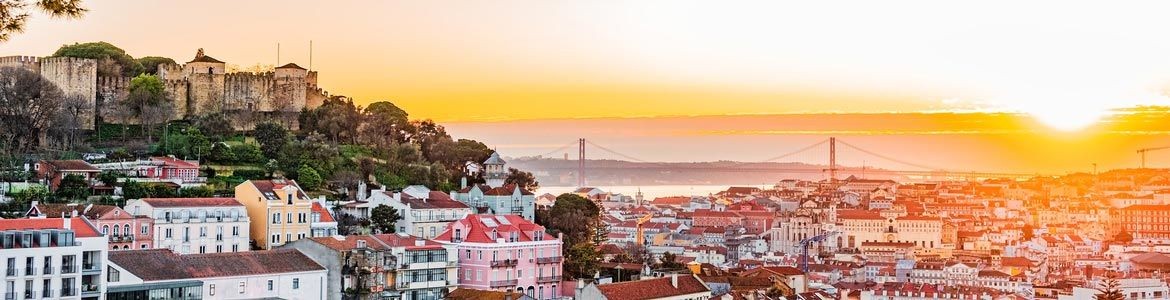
pixel 1067 118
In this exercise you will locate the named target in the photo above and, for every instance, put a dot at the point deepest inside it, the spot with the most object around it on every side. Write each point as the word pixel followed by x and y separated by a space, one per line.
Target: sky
pixel 479 63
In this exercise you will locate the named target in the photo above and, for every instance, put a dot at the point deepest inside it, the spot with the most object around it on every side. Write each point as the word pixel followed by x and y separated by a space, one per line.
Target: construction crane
pixel 806 243
pixel 640 237
pixel 1143 151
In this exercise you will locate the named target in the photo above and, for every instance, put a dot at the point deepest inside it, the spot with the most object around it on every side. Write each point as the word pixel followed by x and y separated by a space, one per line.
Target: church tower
pixel 494 172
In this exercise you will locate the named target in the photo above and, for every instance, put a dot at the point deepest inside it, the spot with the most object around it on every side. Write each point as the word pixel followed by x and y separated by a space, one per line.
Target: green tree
pixel 32 193
pixel 385 123
pixel 669 261
pixel 73 187
pixel 581 261
pixel 1110 289
pixel 15 13
pixel 215 126
pixel 150 63
pixel 222 153
pixel 337 118
pixel 112 61
pixel 272 138
pixel 248 153
pixel 523 179
pixel 308 178
pixel 197 192
pixel 383 217
pixel 573 216
pixel 148 102
pixel 109 178
pixel 135 190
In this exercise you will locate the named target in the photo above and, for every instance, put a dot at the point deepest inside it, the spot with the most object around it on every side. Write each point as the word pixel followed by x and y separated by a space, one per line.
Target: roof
pixel 191 202
pixel 320 210
pixel 145 263
pixel 859 214
pixel 478 228
pixel 81 228
pixel 175 162
pixel 71 165
pixel 435 199
pixel 346 243
pixel 199 57
pixel 268 187
pixel 473 294
pixel 290 66
pixel 676 200
pixel 57 210
pixel 506 190
pixel 494 159
pixel 653 288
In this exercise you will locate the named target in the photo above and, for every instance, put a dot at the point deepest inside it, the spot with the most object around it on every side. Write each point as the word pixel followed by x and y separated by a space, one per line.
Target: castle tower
pixel 494 172
pixel 289 94
pixel 205 79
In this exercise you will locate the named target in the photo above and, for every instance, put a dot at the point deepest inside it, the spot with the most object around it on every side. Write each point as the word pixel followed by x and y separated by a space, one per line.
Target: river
pixel 650 192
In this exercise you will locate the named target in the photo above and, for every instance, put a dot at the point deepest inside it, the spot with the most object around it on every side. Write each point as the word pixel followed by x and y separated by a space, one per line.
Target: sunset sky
pixel 469 62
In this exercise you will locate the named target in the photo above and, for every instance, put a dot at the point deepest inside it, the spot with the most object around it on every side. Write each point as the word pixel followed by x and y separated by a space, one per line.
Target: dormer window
pixel 361 244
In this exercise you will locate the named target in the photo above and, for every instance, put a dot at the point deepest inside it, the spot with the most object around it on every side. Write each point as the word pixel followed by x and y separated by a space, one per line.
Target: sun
pixel 1068 118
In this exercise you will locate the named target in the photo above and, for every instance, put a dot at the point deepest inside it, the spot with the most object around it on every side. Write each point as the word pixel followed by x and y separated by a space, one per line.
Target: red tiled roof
pixel 859 214
pixel 94 212
pixel 71 165
pixel 146 264
pixel 436 199
pixel 81 228
pixel 346 243
pixel 410 242
pixel 505 190
pixel 653 288
pixel 677 200
pixel 175 163
pixel 320 210
pixel 270 186
pixel 191 202
pixel 476 231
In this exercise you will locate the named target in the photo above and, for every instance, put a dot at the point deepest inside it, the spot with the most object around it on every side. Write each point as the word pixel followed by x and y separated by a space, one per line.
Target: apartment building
pixel 279 209
pixel 123 230
pixel 62 258
pixel 383 266
pixel 195 225
pixel 274 274
pixel 425 213
pixel 505 252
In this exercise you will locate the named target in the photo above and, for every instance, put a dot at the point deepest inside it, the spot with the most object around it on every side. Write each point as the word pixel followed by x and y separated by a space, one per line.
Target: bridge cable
pixel 930 168
pixel 635 159
pixel 798 151
pixel 558 150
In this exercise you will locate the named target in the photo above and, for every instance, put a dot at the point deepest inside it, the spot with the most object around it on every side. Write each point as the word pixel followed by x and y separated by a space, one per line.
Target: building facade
pixel 124 231
pixel 504 253
pixel 279 209
pixel 425 213
pixel 275 274
pixel 195 225
pixel 383 266
pixel 62 258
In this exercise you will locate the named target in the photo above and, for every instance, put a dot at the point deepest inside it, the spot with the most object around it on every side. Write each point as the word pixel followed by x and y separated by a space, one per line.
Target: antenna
pixel 277 54
pixel 310 55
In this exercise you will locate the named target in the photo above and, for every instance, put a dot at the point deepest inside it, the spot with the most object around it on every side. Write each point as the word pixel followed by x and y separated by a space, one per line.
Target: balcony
pixel 30 294
pixel 68 292
pixel 11 272
pixel 504 263
pixel 548 279
pixel 549 260
pixel 502 283
pixel 90 289
pixel 28 271
pixel 47 294
pixel 124 238
pixel 69 269
pixel 88 268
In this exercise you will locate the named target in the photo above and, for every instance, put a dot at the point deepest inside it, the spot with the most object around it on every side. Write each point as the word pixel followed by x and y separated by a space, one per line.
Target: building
pixel 425 213
pixel 195 225
pixel 321 221
pixel 1145 221
pixel 124 230
pixel 275 274
pixel 279 209
pixel 158 169
pixel 53 171
pixel 385 266
pixel 61 258
pixel 496 197
pixel 672 287
pixel 505 253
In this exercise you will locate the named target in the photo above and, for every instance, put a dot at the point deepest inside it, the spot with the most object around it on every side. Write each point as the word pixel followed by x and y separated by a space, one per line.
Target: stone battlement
pixel 18 59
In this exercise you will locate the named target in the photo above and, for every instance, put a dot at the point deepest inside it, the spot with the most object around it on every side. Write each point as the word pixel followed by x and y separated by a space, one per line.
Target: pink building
pixel 505 252
pixel 173 168
pixel 124 230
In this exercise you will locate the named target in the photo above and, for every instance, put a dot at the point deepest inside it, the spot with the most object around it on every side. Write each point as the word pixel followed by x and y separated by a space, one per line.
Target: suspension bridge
pixel 796 161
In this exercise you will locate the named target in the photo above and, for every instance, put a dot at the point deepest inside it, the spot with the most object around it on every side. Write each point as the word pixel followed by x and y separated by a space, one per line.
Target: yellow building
pixel 279 211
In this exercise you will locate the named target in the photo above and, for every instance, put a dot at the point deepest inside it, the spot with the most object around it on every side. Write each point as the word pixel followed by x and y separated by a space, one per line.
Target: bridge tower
pixel 581 162
pixel 832 160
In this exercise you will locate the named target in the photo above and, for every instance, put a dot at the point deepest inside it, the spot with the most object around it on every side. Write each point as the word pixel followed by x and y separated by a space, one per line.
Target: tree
pixel 574 216
pixel 248 153
pixel 383 217
pixel 112 61
pixel 150 63
pixel 1110 289
pixel 669 261
pixel 581 260
pixel 109 178
pixel 73 187
pixel 197 144
pixel 15 13
pixel 197 192
pixel 384 124
pixel 523 179
pixel 1123 237
pixel 71 117
pixel 222 153
pixel 272 138
pixel 1028 232
pixel 308 178
pixel 148 102
pixel 28 104
pixel 337 118
pixel 216 126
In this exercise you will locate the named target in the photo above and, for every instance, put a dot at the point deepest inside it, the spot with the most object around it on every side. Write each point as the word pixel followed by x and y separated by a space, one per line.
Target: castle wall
pixel 32 63
pixel 170 72
pixel 111 90
pixel 177 91
pixel 205 93
pixel 75 77
pixel 248 91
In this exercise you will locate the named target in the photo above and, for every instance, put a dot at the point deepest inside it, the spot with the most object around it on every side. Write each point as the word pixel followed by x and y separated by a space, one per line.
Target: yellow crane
pixel 1143 151
pixel 640 237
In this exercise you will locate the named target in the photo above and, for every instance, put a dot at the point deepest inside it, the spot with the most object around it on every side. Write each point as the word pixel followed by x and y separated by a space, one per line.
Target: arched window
pixel 126 229
pixel 105 229
pixel 115 229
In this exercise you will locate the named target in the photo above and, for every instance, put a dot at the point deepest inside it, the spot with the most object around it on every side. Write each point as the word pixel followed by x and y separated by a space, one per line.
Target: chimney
pixel 67 223
pixel 463 182
pixel 674 280
pixel 420 243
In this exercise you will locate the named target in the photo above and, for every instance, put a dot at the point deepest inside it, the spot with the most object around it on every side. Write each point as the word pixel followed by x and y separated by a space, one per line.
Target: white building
pixel 53 259
pixel 1132 288
pixel 425 213
pixel 163 274
pixel 196 225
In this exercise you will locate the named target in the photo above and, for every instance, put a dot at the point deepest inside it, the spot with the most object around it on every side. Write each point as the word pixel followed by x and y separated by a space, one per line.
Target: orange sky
pixel 509 60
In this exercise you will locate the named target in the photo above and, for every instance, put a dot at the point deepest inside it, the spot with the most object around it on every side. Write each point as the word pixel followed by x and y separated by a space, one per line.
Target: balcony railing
pixel 502 283
pixel 68 269
pixel 504 263
pixel 90 288
pixel 11 272
pixel 28 271
pixel 549 260
pixel 68 292
pixel 30 294
pixel 548 279
pixel 91 267
pixel 47 294
pixel 123 238
pixel 403 285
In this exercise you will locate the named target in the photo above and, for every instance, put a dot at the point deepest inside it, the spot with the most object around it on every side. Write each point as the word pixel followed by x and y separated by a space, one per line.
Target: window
pixel 468 252
pixel 290 218
pixel 276 218
pixel 235 248
pixel 145 229
pixel 115 275
pixel 202 249
pixel 168 233
pixel 236 230
pixel 269 284
pixel 296 283
pixel 105 229
pixel 211 289
pixel 243 287
pixel 218 248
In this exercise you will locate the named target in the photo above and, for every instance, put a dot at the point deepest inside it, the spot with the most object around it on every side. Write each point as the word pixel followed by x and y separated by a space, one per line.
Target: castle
pixel 199 87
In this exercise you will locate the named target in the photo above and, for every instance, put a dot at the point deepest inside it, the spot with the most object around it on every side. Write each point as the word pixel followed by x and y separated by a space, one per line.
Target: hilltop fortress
pixel 199 87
